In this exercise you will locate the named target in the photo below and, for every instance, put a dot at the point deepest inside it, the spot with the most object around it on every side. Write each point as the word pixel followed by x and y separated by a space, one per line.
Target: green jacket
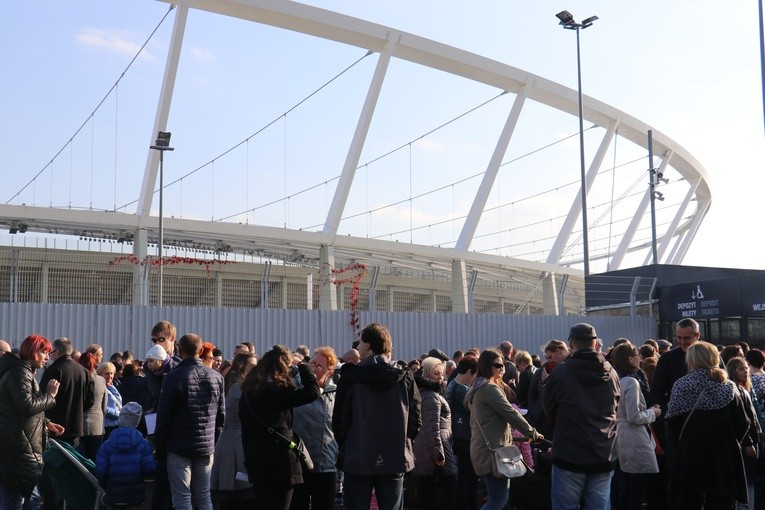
pixel 488 405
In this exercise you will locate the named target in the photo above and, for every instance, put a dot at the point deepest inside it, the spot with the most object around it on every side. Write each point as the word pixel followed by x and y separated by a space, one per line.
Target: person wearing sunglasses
pixel 492 416
pixel 313 422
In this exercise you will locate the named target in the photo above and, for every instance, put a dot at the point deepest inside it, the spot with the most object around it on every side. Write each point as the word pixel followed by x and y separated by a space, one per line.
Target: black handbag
pixel 296 445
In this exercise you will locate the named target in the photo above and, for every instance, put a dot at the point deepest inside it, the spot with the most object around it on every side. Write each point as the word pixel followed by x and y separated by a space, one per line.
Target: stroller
pixel 532 491
pixel 73 476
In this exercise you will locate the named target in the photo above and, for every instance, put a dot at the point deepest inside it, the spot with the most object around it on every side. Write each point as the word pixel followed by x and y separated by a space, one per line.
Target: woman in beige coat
pixel 491 415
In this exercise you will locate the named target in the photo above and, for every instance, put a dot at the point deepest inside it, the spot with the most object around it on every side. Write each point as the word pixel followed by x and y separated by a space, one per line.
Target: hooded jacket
pixel 376 417
pixel 121 465
pixel 22 424
pixel 580 397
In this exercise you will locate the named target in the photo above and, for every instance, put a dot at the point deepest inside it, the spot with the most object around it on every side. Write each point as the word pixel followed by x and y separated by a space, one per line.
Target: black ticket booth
pixel 728 304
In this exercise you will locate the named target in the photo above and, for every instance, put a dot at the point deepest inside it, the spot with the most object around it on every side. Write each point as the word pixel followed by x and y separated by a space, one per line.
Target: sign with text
pixel 753 295
pixel 702 300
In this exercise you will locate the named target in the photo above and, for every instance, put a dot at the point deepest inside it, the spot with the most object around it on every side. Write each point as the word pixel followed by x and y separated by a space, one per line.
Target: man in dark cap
pixel 580 398
pixel 437 353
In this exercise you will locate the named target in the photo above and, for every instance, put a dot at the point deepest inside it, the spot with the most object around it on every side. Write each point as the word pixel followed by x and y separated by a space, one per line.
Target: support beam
pixel 693 228
pixel 265 284
pixel 459 287
pixel 549 296
pixel 621 250
pixel 140 282
pixel 669 233
pixel 373 288
pixel 490 176
pixel 559 247
pixel 678 243
pixel 357 144
pixel 633 296
pixel 562 295
pixel 327 287
pixel 163 112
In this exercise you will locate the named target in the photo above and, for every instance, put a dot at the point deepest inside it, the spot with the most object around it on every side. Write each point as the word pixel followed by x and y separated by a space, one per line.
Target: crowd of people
pixel 630 424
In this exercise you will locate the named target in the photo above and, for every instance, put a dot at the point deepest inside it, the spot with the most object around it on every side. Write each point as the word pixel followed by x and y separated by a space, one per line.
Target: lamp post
pixel 566 20
pixel 162 144
pixel 655 177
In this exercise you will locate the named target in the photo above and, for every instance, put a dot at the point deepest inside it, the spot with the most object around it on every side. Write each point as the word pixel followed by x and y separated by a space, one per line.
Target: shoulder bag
pixel 506 461
pixel 680 437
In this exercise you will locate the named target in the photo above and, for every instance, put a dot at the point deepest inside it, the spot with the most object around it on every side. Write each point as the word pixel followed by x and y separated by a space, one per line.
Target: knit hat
pixel 130 415
pixel 157 352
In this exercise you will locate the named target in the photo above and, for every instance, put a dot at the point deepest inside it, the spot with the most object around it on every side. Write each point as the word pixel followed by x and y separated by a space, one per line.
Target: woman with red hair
pixel 206 354
pixel 22 420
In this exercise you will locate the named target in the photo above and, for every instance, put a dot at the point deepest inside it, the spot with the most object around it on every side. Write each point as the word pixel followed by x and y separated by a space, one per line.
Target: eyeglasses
pixel 317 366
pixel 498 365
pixel 157 339
pixel 207 357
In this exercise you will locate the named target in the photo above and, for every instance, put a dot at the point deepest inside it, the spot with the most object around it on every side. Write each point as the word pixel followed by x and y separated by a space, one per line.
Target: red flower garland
pixel 170 261
pixel 354 280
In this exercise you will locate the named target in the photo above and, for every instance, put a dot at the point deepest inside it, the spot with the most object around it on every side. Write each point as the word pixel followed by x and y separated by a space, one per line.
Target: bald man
pixel 352 357
pixel 4 347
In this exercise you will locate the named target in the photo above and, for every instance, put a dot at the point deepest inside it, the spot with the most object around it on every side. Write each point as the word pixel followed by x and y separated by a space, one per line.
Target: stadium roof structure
pixel 296 245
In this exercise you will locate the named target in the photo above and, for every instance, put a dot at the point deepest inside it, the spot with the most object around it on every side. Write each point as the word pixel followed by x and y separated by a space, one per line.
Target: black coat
pixel 270 463
pixel 708 459
pixel 75 395
pixel 22 424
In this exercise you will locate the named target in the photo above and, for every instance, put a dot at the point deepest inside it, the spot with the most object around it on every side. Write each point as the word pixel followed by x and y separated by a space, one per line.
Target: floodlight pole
pixel 652 191
pixel 585 236
pixel 762 56
pixel 567 22
pixel 162 144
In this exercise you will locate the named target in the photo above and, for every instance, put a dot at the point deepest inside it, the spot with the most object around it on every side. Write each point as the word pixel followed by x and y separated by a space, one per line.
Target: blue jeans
pixel 190 481
pixel 497 492
pixel 389 491
pixel 568 488
pixel 10 498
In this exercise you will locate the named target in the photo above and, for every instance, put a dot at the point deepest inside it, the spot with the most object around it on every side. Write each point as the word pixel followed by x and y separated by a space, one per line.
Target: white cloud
pixel 111 41
pixel 202 54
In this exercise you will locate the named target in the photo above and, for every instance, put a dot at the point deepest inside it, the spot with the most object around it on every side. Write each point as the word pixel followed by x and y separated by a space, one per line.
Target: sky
pixel 689 69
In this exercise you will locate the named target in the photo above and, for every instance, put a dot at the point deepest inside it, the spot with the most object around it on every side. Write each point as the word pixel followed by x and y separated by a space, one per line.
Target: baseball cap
pixel 582 331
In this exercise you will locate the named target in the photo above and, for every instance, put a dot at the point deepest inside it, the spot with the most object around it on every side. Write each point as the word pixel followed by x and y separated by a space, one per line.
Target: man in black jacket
pixel 376 416
pixel 669 369
pixel 75 395
pixel 580 398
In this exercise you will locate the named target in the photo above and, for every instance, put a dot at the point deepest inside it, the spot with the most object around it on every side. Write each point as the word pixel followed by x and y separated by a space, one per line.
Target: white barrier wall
pixel 119 327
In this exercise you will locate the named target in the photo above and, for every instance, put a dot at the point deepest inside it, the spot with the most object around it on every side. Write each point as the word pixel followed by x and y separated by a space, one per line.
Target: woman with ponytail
pixel 708 420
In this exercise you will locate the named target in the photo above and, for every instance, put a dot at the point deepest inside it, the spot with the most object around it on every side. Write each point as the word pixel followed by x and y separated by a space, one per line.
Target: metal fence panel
pixel 120 327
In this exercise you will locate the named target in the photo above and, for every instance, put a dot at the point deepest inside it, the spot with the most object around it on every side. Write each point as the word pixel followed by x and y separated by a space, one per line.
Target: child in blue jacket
pixel 124 460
